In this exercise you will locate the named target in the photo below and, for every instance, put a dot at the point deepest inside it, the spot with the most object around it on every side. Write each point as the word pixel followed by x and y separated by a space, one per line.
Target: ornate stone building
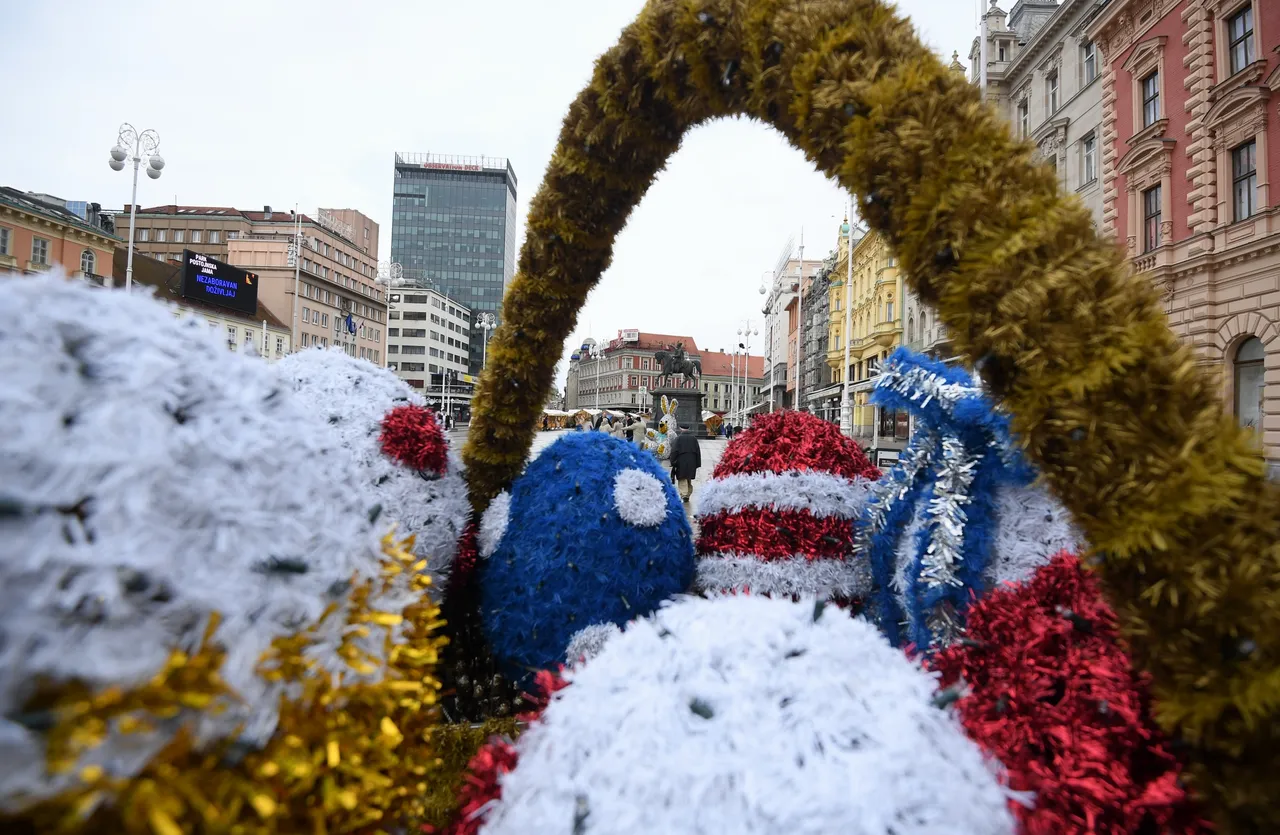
pixel 1043 74
pixel 1191 143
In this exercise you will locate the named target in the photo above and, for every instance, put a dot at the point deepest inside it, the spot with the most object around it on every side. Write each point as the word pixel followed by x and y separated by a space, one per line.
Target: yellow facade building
pixel 873 299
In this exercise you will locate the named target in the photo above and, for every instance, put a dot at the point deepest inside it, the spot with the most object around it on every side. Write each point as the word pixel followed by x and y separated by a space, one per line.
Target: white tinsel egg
pixel 149 479
pixel 354 396
pixel 749 715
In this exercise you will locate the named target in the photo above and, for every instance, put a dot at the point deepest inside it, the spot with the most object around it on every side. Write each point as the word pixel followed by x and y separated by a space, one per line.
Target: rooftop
pixel 27 202
pixel 720 364
pixel 456 162
pixel 655 342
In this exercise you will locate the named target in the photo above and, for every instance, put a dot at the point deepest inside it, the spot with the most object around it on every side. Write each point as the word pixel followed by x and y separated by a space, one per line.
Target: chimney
pixel 266 211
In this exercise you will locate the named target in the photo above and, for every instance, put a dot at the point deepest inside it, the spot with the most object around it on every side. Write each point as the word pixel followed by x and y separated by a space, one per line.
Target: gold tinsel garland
pixel 1127 429
pixel 455 745
pixel 347 755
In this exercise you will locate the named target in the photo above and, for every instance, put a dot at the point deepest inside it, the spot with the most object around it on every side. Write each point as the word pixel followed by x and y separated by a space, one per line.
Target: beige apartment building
pixel 1044 74
pixel 339 302
pixel 1191 148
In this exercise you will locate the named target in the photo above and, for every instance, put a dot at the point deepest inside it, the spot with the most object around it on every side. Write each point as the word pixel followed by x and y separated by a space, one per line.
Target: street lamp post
pixel 800 327
pixel 390 276
pixel 746 332
pixel 846 407
pixel 488 322
pixel 132 145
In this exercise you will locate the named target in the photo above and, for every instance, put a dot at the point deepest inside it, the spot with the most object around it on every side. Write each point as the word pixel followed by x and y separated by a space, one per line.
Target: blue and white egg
pixel 591 534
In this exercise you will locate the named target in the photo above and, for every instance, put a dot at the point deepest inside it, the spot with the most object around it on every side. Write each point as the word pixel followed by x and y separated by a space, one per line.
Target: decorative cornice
pixel 1238 102
pixel 1055 128
pixel 1152 131
pixel 1153 156
pixel 1145 53
pixel 1248 76
pixel 1042 35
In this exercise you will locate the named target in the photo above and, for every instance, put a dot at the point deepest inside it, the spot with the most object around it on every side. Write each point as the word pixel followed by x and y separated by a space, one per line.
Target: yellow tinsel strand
pixel 347 756
pixel 1125 427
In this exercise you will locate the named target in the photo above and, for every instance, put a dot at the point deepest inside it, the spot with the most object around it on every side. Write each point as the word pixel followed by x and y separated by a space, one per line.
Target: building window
pixel 144 234
pixel 195 236
pixel 5 237
pixel 1249 371
pixel 1090 158
pixel 86 262
pixel 1151 99
pixel 1240 39
pixel 1024 120
pixel 306 315
pixel 888 311
pixel 1151 219
pixel 279 346
pixel 215 236
pixel 39 251
pixel 161 235
pixel 179 236
pixel 231 335
pixel 1051 92
pixel 1244 181
pixel 1089 60
pixel 1002 51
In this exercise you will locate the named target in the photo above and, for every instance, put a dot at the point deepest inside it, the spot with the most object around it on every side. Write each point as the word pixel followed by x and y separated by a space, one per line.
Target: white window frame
pixel 1089 158
pixel 43 260
pixel 88 262
pixel 1251 208
pixel 6 240
pixel 1088 62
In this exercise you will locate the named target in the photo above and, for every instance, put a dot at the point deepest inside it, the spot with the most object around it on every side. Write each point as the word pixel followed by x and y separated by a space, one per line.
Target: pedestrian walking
pixel 686 458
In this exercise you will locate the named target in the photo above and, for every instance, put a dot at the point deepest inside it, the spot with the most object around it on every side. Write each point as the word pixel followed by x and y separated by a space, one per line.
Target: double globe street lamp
pixel 487 321
pixel 390 276
pixel 132 145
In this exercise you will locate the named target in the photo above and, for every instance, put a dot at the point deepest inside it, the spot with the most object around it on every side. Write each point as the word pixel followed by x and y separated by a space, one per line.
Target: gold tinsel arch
pixel 1123 424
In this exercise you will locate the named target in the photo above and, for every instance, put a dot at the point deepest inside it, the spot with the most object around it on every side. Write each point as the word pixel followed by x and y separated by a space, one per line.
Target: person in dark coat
pixel 686 458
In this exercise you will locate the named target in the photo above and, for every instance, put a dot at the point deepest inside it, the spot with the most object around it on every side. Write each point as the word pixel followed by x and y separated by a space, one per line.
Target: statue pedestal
pixel 688 408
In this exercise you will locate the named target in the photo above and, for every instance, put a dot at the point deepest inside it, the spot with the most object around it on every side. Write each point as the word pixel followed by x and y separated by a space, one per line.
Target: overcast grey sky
pixel 272 102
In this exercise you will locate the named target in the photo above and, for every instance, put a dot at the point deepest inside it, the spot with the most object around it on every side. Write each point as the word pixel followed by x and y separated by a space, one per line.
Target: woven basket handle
pixel 1125 427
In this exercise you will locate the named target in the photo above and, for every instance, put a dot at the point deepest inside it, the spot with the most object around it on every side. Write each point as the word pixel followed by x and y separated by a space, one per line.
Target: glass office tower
pixel 453 228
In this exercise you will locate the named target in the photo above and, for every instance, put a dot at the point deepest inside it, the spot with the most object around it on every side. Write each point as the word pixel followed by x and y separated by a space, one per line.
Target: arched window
pixel 911 329
pixel 1249 360
pixel 87 260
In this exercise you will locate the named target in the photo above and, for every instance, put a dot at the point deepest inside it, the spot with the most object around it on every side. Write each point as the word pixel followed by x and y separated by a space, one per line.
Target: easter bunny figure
pixel 656 439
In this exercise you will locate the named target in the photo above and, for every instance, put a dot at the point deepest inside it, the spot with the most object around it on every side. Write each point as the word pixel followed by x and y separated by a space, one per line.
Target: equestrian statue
pixel 677 362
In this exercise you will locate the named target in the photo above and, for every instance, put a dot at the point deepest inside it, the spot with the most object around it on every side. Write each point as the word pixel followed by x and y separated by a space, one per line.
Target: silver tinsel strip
pixel 893 488
pixel 946 509
pixel 918 385
pixel 944 627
